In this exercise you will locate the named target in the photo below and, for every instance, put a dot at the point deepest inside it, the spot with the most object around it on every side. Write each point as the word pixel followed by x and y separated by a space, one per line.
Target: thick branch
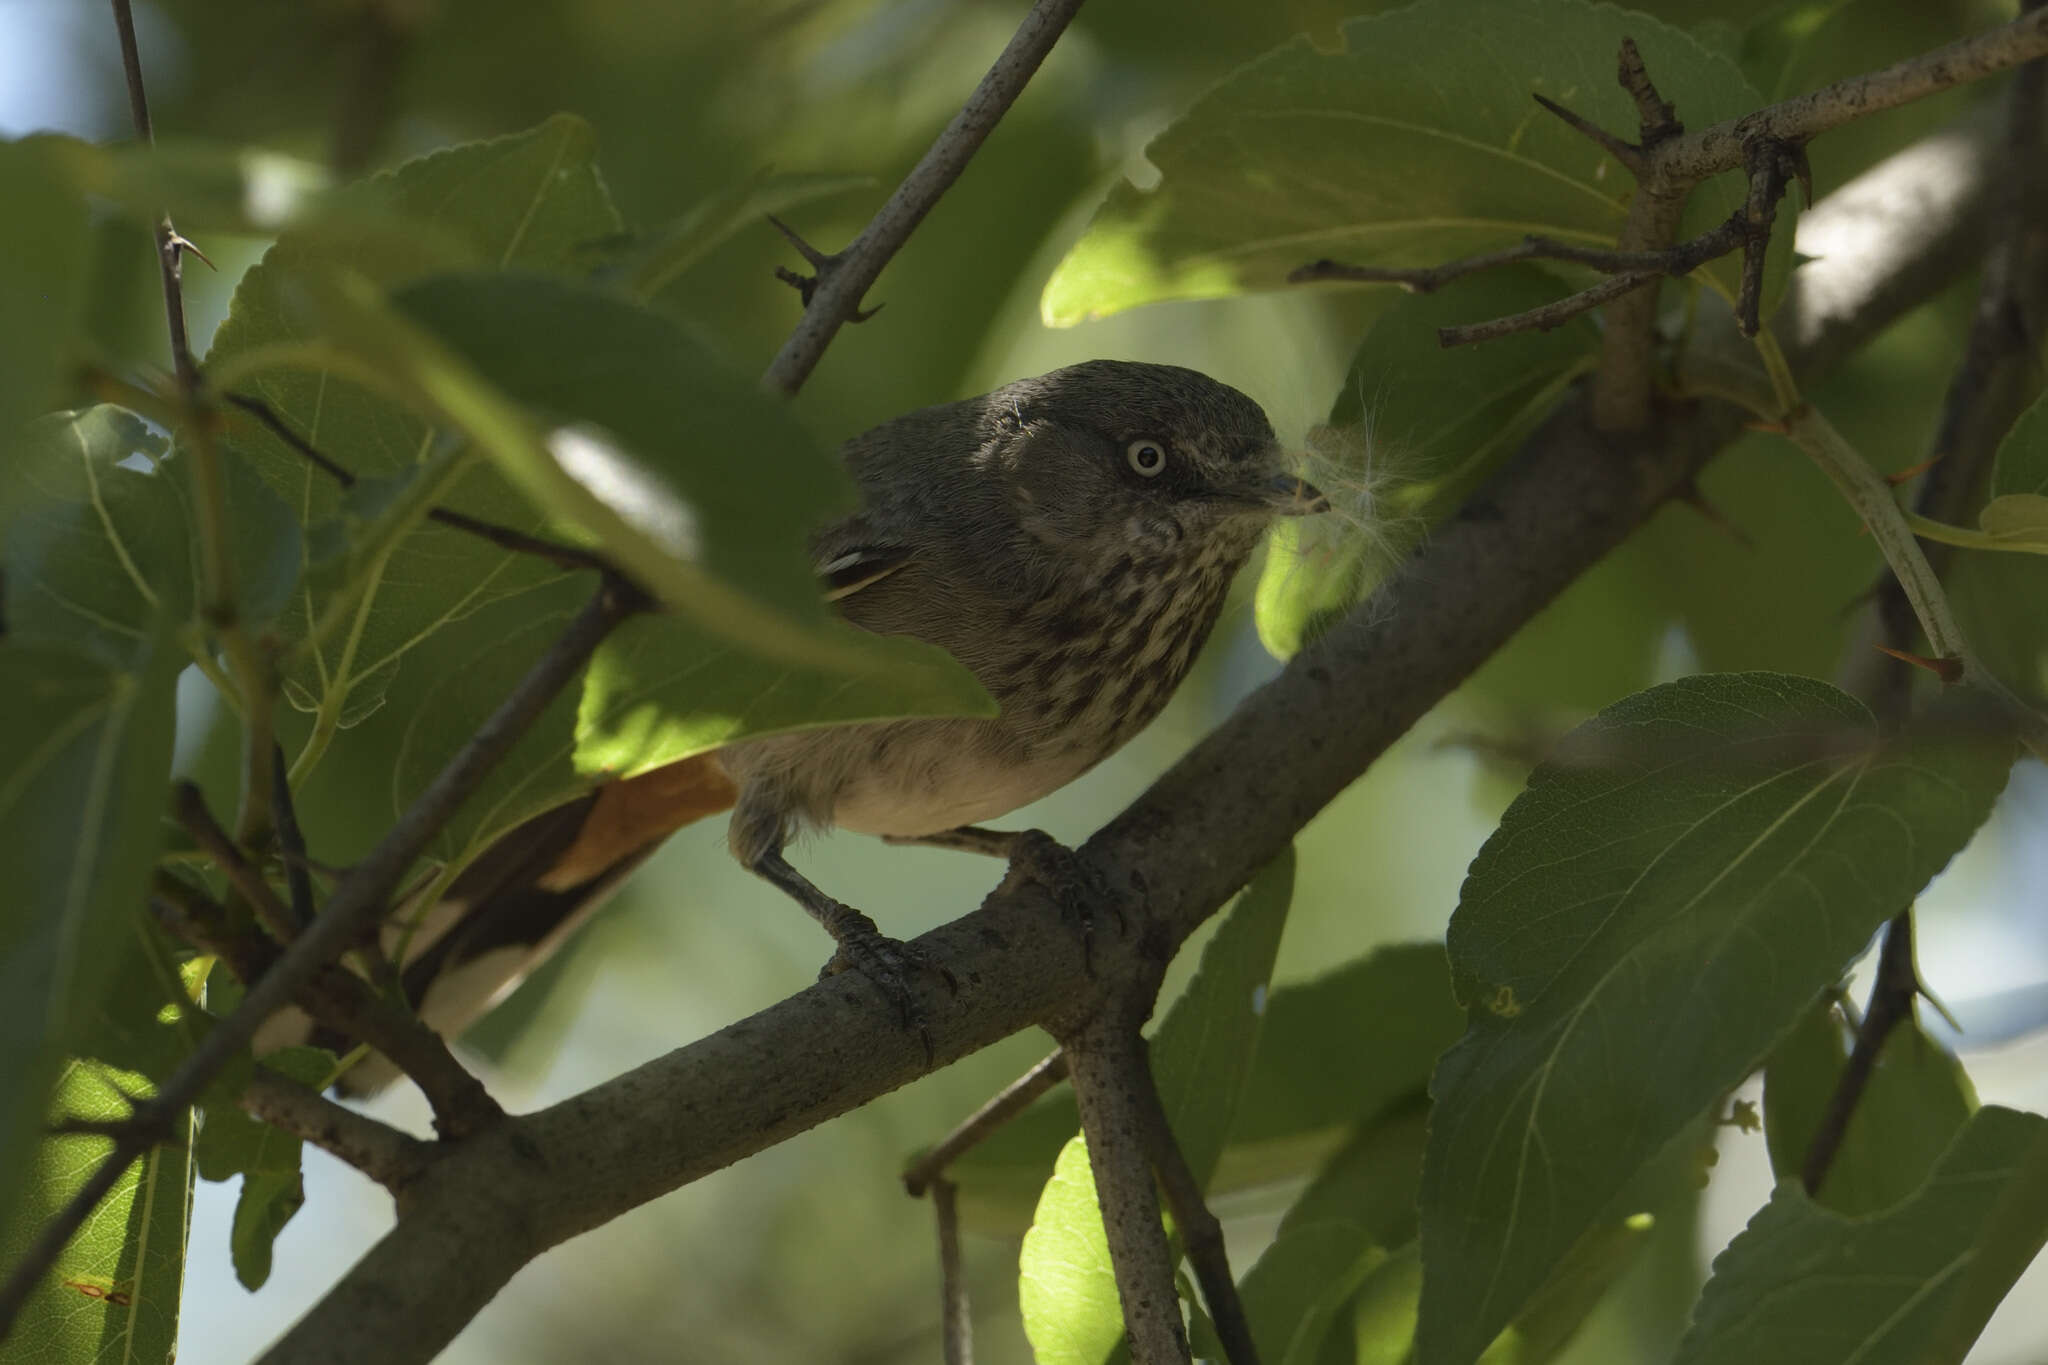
pixel 844 279
pixel 1197 835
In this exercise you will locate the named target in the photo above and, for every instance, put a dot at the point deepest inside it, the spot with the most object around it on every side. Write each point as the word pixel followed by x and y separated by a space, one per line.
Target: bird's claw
pixel 888 964
pixel 1074 884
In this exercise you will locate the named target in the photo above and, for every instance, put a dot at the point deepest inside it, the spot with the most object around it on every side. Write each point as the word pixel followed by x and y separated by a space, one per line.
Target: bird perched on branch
pixel 1070 538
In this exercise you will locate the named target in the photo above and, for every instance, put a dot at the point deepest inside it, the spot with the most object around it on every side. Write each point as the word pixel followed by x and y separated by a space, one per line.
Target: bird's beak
pixel 1294 497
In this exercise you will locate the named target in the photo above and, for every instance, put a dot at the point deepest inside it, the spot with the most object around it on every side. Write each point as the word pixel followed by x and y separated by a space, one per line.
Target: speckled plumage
pixel 1077 590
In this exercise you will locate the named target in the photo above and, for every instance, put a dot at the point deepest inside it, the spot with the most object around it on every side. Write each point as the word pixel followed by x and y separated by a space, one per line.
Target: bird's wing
pixel 853 555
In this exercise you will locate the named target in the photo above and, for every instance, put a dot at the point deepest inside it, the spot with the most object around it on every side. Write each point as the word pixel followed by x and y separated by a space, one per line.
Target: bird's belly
pixel 937 787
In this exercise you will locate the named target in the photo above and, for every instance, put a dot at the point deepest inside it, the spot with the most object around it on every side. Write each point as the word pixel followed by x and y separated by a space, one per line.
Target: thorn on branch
pixel 1946 667
pixel 824 264
pixel 1627 153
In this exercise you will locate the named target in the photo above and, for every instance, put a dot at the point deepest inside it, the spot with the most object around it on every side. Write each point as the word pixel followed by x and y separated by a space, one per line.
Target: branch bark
pixel 1201 831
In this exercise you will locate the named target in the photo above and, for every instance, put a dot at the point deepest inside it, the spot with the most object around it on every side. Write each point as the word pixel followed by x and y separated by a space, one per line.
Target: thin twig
pixel 1891 1003
pixel 1006 1104
pixel 392 1158
pixel 340 1000
pixel 291 842
pixel 956 1323
pixel 504 537
pixel 188 804
pixel 844 281
pixel 1110 1075
pixel 1549 315
pixel 1200 1233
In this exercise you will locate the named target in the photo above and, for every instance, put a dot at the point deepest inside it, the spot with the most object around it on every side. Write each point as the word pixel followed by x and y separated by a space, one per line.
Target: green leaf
pixel 533 202
pixel 1407 148
pixel 1301 1283
pixel 99 539
pixel 112 1295
pixel 1340 1231
pixel 266 1204
pixel 1201 1056
pixel 43 274
pixel 2021 465
pixel 1065 1287
pixel 1917 1100
pixel 1416 428
pixel 1913 1284
pixel 661 689
pixel 1337 1050
pixel 1203 1051
pixel 1651 916
pixel 644 454
pixel 713 220
pixel 1333 1052
pixel 1384 1313
pixel 268 1160
pixel 2003 599
pixel 85 756
pixel 2020 519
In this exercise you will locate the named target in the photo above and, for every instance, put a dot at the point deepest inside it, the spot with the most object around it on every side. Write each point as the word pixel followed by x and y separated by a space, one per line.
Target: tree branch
pixel 1106 1063
pixel 1202 830
pixel 391 1158
pixel 1012 1100
pixel 1996 378
pixel 844 279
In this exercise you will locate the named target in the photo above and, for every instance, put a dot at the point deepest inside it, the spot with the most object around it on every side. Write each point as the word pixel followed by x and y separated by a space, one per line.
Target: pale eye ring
pixel 1146 456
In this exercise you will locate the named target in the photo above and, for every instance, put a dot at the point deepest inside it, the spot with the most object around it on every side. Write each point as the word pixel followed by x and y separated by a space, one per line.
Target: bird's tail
pixel 519 901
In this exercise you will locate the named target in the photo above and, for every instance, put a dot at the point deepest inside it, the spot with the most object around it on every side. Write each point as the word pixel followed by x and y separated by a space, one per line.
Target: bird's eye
pixel 1146 456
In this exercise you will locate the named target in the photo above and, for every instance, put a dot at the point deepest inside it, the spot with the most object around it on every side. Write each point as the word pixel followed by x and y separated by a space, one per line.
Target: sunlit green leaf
pixel 85 755
pixel 1652 915
pixel 1914 1283
pixel 1410 147
pixel 1414 430
pixel 1917 1100
pixel 1065 1287
pixel 112 1296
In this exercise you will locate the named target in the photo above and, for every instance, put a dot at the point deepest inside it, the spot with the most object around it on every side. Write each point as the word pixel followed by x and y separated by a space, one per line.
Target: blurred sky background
pixel 810 1252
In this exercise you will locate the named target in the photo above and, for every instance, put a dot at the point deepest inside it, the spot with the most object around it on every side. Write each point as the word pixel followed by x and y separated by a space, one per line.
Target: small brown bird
pixel 1070 538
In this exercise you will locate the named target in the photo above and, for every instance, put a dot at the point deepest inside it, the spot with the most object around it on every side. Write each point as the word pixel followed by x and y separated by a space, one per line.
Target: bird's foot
pixel 888 964
pixel 1074 884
